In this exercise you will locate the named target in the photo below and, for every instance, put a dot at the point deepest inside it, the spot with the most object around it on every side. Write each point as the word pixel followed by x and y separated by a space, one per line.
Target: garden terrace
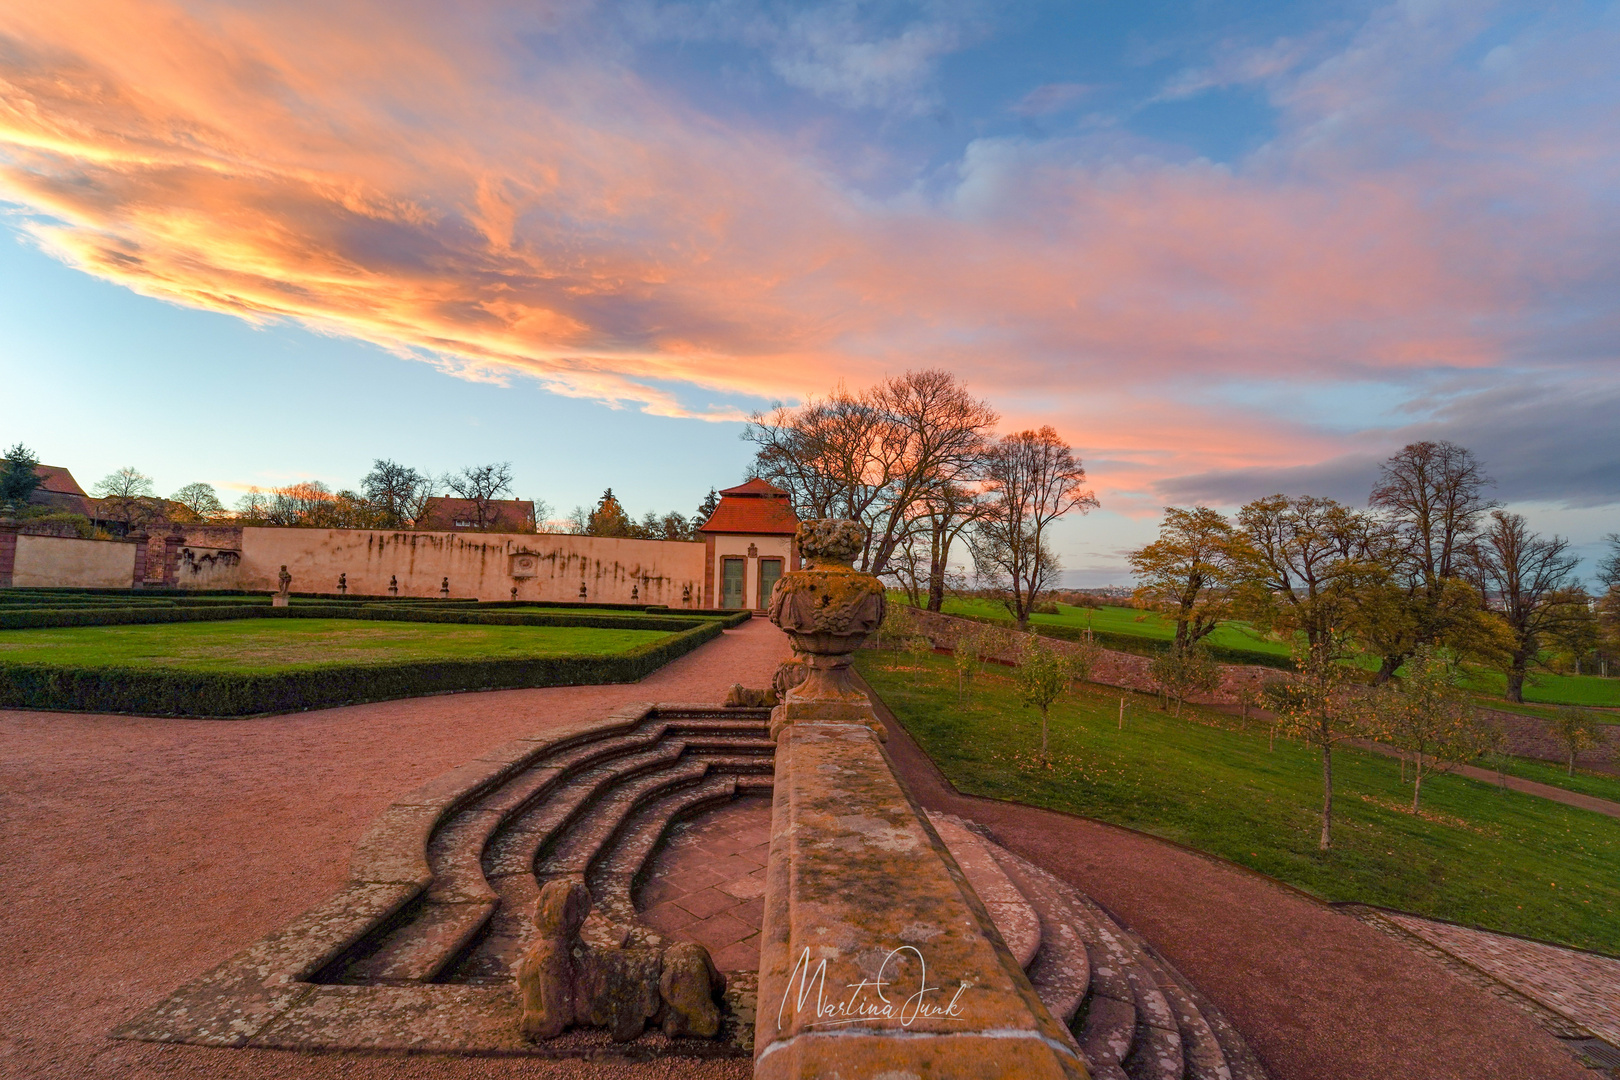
pixel 213 659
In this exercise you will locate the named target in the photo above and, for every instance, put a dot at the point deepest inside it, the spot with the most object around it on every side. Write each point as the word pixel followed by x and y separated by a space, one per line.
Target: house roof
pixel 757 508
pixel 57 479
pixel 443 511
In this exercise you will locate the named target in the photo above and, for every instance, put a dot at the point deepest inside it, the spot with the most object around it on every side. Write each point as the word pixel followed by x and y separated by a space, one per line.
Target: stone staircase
pixel 594 810
pixel 1133 1016
pixel 418 951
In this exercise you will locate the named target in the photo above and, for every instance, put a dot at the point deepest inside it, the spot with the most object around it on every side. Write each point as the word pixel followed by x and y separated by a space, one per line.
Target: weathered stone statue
pixel 566 981
pixel 284 579
pixel 827 609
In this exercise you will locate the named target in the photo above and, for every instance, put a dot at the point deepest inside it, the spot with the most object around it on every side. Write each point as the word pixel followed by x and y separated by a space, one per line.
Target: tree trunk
pixel 1043 733
pixel 1572 752
pixel 1122 714
pixel 1417 782
pixel 1515 679
pixel 1327 797
pixel 1386 669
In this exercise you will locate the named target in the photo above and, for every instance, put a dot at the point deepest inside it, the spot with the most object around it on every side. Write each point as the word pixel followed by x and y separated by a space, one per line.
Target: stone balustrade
pixel 877 959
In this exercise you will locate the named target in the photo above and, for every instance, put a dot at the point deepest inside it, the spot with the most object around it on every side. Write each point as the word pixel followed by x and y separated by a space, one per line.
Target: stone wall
pixel 1125 670
pixel 488 566
pixel 68 562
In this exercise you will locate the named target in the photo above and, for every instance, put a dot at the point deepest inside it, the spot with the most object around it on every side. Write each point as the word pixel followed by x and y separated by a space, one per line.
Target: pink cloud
pixel 394 175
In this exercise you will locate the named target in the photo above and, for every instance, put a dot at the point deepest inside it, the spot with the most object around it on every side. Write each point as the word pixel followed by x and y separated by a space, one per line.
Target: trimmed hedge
pixel 126 615
pixel 169 692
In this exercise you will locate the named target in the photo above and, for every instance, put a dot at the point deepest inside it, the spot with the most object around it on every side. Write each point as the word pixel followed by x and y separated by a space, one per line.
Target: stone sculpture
pixel 566 981
pixel 284 580
pixel 827 609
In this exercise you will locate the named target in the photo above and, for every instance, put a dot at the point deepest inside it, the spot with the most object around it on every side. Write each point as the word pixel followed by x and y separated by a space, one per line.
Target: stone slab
pixel 859 886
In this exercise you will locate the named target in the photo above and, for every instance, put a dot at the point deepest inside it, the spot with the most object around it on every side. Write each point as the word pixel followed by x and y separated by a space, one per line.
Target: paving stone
pixel 720 931
pixel 706 903
pixel 1582 986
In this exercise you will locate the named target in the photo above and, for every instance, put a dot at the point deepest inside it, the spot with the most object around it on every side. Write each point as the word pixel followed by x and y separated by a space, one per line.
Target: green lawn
pixel 1478 854
pixel 1543 688
pixel 1585 781
pixel 283 644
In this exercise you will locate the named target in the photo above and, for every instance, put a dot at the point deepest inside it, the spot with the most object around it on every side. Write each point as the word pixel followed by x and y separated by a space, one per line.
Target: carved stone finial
pixel 827 609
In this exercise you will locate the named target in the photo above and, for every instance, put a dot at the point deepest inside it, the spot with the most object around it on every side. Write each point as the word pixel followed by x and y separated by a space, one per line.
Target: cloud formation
pixel 497 190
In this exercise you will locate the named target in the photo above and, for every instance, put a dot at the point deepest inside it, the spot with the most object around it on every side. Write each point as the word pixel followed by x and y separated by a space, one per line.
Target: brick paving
pixel 1582 986
pixel 708 883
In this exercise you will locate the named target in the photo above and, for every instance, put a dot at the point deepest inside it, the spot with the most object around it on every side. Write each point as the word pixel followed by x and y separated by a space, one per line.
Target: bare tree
pixel 1608 570
pixel 875 456
pixel 1524 576
pixel 128 497
pixel 483 486
pixel 1431 495
pixel 1032 479
pixel 397 491
pixel 201 499
pixel 1194 572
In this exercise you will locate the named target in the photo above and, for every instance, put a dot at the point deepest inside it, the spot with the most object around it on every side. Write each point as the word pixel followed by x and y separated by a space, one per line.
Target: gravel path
pixel 139 853
pixel 1318 995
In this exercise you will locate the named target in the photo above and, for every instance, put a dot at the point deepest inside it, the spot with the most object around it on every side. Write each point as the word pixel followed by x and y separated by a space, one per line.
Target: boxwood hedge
pixel 28 618
pixel 170 692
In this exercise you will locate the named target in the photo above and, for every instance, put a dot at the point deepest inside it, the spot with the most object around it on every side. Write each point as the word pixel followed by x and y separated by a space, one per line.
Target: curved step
pixel 1140 1018
pixel 566 804
pixel 1015 920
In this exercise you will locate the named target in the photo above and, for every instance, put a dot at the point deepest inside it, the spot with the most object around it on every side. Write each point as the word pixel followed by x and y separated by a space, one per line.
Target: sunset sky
pixel 1225 248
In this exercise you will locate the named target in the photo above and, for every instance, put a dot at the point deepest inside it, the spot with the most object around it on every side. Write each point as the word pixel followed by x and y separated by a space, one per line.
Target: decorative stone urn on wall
pixel 827 609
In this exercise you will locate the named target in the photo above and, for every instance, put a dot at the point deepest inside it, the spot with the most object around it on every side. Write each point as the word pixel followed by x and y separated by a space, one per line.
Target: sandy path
pixel 138 853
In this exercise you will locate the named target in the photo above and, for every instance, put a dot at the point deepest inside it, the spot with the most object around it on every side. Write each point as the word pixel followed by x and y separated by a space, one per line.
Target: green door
pixel 731 582
pixel 769 571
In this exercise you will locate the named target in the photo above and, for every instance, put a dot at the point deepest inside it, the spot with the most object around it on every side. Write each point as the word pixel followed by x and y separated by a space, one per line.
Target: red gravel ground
pixel 138 853
pixel 1318 995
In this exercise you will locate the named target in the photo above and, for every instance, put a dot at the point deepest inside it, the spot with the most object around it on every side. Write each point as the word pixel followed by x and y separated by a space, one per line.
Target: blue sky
pixel 1224 248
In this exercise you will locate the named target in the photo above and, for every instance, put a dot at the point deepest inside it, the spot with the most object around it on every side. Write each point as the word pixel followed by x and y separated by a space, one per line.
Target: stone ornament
pixel 565 981
pixel 827 610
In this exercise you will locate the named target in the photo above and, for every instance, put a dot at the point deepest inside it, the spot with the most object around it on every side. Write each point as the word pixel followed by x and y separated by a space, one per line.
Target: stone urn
pixel 827 609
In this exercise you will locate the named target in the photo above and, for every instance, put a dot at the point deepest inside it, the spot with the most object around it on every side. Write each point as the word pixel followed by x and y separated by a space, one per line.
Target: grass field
pixel 1479 854
pixel 1543 687
pixel 284 644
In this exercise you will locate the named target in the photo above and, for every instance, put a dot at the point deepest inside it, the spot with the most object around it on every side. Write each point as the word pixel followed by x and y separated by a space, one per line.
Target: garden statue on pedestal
pixel 283 579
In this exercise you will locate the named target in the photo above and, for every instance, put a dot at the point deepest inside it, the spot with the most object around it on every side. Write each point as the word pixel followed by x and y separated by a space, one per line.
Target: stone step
pixel 1141 1019
pixel 1015 920
pixel 612 880
pixel 573 851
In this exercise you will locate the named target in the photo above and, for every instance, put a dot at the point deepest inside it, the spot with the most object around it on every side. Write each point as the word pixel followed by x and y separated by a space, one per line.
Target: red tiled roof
pixel 57 479
pixel 757 508
pixel 440 513
pixel 756 486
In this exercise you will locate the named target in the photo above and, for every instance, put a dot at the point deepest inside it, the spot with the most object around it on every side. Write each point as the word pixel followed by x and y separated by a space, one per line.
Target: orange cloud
pixel 399 174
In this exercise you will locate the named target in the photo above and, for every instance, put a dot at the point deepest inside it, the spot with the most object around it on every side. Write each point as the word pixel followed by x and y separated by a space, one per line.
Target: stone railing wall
pixel 877 959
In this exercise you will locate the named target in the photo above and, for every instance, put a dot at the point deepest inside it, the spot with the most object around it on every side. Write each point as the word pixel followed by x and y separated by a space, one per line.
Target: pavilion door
pixel 732 573
pixel 769 571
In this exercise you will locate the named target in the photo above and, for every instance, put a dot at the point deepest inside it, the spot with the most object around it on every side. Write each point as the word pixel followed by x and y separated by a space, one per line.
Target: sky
pixel 1226 249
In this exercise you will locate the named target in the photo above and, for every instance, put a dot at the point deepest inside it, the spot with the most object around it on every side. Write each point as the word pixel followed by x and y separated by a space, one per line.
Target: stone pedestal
pixel 278 600
pixel 876 957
